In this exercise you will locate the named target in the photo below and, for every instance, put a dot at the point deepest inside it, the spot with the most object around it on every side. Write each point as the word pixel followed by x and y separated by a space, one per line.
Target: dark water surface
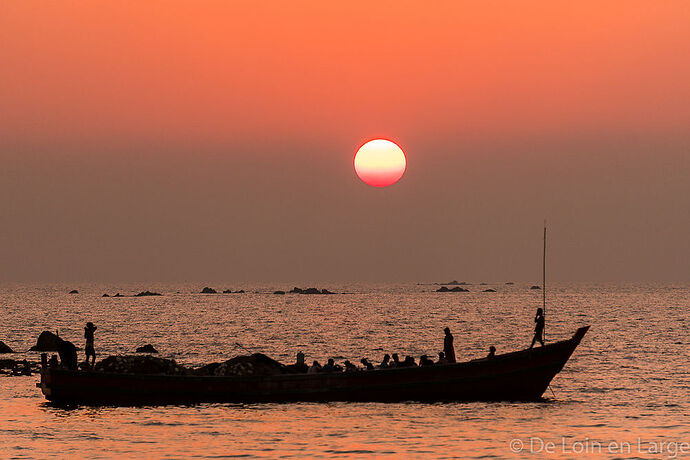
pixel 624 392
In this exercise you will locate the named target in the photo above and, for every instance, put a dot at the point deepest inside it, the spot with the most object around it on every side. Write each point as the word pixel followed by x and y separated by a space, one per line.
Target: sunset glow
pixel 380 163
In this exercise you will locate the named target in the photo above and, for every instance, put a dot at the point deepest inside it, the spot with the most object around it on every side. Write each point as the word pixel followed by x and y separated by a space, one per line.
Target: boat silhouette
pixel 518 376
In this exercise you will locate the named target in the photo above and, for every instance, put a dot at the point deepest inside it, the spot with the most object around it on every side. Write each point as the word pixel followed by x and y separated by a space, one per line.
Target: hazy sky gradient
pixel 214 140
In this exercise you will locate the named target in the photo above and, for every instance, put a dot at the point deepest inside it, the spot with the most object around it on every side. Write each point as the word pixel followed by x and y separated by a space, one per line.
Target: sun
pixel 380 163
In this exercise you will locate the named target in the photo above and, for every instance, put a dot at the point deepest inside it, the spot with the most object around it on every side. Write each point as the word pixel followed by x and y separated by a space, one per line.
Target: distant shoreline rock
pixel 489 290
pixel 208 290
pixel 141 294
pixel 455 289
pixel 535 287
pixel 74 291
pixel 279 292
pixel 311 290
pixel 145 294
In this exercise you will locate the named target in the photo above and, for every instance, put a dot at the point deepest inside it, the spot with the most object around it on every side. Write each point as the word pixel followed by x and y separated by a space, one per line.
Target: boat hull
pixel 519 376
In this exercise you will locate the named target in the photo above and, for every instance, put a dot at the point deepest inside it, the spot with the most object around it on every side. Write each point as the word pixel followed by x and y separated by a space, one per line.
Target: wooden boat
pixel 519 376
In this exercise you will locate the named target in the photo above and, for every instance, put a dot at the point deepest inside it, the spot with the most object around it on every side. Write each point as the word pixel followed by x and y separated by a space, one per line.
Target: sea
pixel 625 393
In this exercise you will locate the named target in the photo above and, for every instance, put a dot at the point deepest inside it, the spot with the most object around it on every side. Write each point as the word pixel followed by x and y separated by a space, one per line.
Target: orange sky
pixel 223 70
pixel 582 98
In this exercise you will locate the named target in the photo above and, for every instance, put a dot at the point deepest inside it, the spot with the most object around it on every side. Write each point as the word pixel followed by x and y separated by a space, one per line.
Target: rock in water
pixel 105 295
pixel 455 289
pixel 535 287
pixel 489 290
pixel 144 294
pixel 279 292
pixel 311 290
pixel 227 291
pixel 148 348
pixel 208 290
pixel 74 291
pixel 47 341
pixel 5 348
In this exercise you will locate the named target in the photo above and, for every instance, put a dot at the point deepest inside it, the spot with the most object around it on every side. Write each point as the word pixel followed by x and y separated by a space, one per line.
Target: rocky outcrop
pixel 455 289
pixel 489 290
pixel 279 292
pixel 454 283
pixel 19 367
pixel 227 291
pixel 535 287
pixel 144 294
pixel 208 290
pixel 47 341
pixel 4 348
pixel 74 291
pixel 148 348
pixel 311 290
pixel 105 295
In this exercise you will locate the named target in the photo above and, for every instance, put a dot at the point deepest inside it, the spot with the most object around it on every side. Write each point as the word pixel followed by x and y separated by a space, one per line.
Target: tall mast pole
pixel 543 282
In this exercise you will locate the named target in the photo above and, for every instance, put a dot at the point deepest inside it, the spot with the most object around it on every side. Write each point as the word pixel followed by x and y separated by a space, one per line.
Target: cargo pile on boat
pixel 257 364
pixel 140 365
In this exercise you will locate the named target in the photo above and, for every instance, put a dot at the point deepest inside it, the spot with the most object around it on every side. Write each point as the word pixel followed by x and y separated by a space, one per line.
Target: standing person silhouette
pixel 448 348
pixel 538 328
pixel 89 349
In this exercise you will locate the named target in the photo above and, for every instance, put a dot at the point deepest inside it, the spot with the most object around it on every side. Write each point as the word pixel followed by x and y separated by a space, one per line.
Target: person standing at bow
pixel 538 328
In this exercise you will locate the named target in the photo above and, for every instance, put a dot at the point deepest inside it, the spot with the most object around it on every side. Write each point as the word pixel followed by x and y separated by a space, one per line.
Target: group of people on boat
pixel 68 353
pixel 447 356
pixel 390 361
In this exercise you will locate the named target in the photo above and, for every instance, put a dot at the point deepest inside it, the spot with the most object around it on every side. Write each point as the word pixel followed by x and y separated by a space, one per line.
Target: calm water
pixel 628 382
